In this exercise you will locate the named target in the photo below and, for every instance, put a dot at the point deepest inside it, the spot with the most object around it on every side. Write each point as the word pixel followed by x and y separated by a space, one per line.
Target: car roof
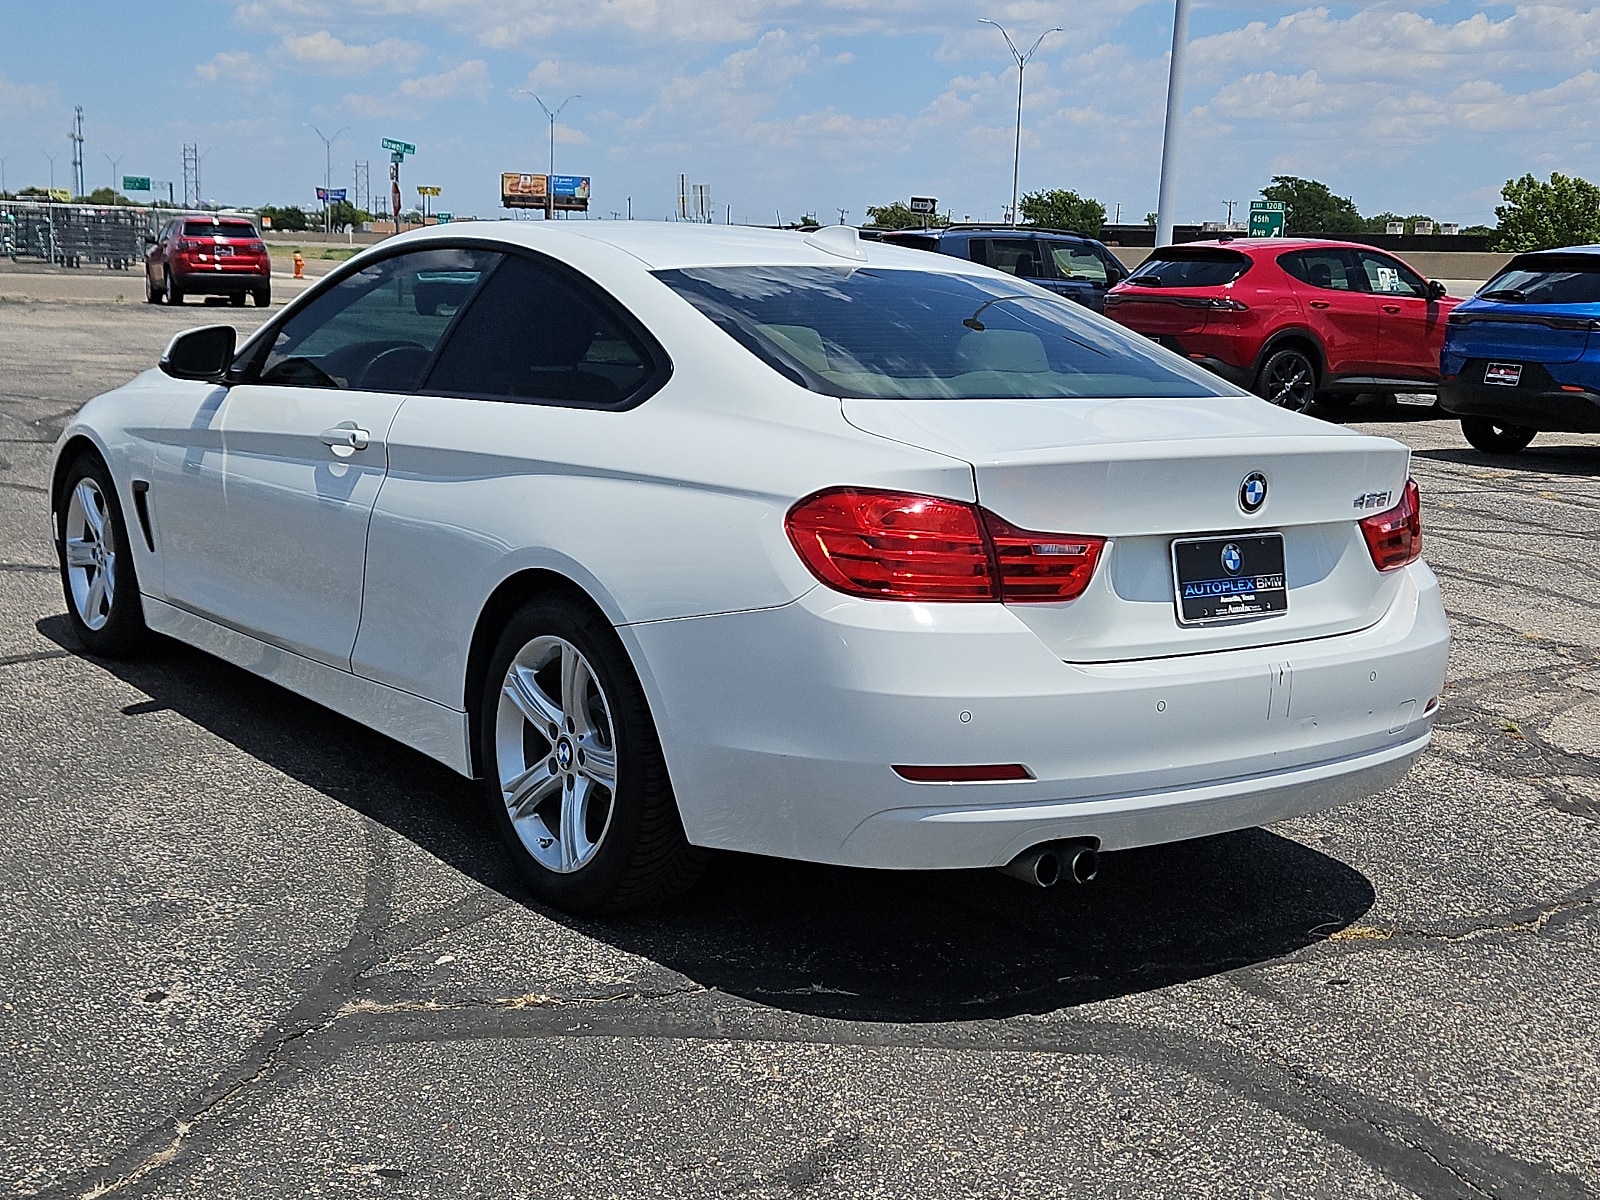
pixel 668 245
pixel 1274 245
pixel 1589 249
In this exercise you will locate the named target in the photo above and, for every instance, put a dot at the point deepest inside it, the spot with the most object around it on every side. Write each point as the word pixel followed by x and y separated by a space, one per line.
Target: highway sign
pixel 924 204
pixel 444 218
pixel 398 146
pixel 136 183
pixel 1267 218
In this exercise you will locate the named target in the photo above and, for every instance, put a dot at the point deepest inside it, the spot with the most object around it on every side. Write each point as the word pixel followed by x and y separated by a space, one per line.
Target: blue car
pixel 1523 356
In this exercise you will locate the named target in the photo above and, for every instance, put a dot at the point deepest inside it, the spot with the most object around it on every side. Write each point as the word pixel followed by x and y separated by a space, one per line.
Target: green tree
pixel 106 195
pixel 1380 223
pixel 345 214
pixel 1310 207
pixel 1541 216
pixel 289 219
pixel 1059 208
pixel 899 216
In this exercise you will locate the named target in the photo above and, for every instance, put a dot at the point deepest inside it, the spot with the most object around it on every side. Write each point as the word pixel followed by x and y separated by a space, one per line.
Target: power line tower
pixel 77 151
pixel 191 175
pixel 363 190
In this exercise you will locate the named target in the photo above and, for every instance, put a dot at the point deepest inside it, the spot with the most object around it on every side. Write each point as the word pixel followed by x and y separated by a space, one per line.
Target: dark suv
pixel 206 255
pixel 1076 266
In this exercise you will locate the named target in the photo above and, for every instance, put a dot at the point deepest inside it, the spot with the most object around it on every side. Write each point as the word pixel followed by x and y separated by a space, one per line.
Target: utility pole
pixel 1169 136
pixel 1230 204
pixel 327 170
pixel 1022 62
pixel 843 213
pixel 76 137
pixel 115 178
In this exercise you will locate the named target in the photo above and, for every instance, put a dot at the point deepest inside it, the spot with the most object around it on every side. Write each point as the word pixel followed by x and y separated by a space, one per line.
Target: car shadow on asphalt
pixel 1546 460
pixel 824 941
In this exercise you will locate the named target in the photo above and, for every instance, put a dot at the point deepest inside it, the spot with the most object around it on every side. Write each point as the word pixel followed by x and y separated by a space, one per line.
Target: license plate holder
pixel 1229 578
pixel 1503 374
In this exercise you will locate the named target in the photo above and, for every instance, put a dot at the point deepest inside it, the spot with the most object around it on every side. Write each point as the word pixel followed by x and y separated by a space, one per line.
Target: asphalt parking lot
pixel 255 950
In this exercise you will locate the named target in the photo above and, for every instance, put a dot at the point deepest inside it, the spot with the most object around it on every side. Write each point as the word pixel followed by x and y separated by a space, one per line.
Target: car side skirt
pixel 439 732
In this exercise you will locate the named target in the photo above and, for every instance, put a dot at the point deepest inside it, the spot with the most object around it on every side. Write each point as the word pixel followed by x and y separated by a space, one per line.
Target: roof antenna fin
pixel 841 241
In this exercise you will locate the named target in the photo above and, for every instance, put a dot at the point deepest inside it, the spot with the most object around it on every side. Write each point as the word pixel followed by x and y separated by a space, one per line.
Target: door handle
pixel 1391 308
pixel 346 439
pixel 1320 304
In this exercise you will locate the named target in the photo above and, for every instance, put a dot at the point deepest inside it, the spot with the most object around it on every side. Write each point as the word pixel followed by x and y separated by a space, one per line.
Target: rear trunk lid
pixel 1542 307
pixel 1171 292
pixel 1145 473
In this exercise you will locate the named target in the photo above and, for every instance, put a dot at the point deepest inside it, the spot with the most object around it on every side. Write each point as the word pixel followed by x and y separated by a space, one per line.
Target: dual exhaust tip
pixel 1048 864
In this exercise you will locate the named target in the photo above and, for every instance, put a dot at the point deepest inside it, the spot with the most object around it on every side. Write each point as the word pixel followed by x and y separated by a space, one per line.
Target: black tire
pixel 1496 437
pixel 113 626
pixel 1288 379
pixel 639 856
pixel 237 300
pixel 263 295
pixel 171 292
pixel 152 294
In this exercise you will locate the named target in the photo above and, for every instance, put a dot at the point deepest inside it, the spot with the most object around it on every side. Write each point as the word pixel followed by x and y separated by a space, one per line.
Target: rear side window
pixel 1331 269
pixel 1022 257
pixel 1548 279
pixel 227 229
pixel 534 334
pixel 1190 269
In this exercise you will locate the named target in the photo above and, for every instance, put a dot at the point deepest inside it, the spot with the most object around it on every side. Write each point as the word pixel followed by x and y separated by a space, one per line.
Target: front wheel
pixel 97 573
pixel 172 292
pixel 1288 379
pixel 152 294
pixel 1496 437
pixel 573 770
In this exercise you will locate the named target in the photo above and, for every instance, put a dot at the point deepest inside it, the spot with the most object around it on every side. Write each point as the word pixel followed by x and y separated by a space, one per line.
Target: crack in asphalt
pixel 12 660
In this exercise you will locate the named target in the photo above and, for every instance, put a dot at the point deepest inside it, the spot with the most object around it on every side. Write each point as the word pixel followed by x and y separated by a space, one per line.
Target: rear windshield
pixel 1547 279
pixel 227 229
pixel 871 333
pixel 1190 269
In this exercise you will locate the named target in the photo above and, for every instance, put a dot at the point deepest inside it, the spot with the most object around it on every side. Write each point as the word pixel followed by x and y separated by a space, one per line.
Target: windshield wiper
pixel 1513 294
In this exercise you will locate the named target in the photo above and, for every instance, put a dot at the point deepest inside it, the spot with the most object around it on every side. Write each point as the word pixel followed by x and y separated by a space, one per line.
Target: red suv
pixel 214 256
pixel 1291 319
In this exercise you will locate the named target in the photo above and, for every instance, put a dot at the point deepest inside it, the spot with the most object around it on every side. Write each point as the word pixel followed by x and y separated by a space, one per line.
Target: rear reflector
pixel 992 773
pixel 898 546
pixel 1394 538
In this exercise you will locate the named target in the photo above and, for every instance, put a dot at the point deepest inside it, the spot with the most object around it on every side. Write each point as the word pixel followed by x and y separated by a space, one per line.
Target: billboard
pixel 570 192
pixel 522 191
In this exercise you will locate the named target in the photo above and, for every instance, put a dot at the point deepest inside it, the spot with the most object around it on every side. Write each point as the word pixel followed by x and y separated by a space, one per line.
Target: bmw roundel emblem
pixel 1253 492
pixel 1232 560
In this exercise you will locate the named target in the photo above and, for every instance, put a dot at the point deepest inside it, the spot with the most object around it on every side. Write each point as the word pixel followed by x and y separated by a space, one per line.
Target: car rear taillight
pixel 898 546
pixel 190 244
pixel 1394 538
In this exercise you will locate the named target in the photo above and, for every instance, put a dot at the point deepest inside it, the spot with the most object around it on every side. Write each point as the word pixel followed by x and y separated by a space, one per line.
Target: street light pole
pixel 113 162
pixel 1022 62
pixel 52 158
pixel 1169 136
pixel 327 171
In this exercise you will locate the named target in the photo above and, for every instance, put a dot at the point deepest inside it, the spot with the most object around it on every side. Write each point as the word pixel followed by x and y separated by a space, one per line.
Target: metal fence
pixel 78 235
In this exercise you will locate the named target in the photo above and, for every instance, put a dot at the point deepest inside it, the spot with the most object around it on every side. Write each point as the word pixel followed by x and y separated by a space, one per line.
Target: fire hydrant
pixel 299 265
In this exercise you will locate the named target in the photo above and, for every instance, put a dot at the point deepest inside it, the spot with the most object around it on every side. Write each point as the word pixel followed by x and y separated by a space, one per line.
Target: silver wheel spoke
pixel 80 552
pixel 575 690
pixel 575 845
pixel 598 764
pixel 529 789
pixel 97 595
pixel 89 499
pixel 535 706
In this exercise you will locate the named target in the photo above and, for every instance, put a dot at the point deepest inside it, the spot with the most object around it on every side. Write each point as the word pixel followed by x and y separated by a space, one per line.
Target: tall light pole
pixel 552 116
pixel 52 158
pixel 1022 62
pixel 113 162
pixel 327 170
pixel 1169 136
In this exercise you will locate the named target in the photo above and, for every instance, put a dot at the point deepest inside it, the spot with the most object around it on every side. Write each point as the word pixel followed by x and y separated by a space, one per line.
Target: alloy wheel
pixel 1290 382
pixel 91 554
pixel 555 750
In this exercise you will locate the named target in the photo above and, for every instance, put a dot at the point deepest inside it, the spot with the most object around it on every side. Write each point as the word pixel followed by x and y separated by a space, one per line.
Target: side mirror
pixel 204 353
pixel 149 239
pixel 1436 290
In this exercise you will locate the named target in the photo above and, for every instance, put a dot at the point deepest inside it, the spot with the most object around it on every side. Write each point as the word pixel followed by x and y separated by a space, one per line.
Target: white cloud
pixel 471 78
pixel 235 67
pixel 20 97
pixel 323 53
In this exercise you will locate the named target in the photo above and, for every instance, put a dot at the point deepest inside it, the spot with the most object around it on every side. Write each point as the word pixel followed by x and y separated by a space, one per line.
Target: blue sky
pixel 785 107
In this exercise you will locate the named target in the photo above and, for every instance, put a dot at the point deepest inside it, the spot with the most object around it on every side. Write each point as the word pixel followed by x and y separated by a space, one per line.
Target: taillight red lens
pixel 892 546
pixel 190 244
pixel 897 546
pixel 1394 538
pixel 1041 567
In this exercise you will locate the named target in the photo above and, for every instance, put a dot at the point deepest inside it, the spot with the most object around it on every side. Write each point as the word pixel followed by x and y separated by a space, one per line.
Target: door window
pixel 535 334
pixel 376 330
pixel 1078 262
pixel 1014 256
pixel 1389 276
pixel 1330 269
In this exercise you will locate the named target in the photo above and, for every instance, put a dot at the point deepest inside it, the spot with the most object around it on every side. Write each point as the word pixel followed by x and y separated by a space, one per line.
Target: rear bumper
pixel 227 281
pixel 1538 403
pixel 781 728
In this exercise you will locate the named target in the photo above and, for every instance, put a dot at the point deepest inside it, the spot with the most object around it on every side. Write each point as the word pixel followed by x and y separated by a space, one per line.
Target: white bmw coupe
pixel 684 537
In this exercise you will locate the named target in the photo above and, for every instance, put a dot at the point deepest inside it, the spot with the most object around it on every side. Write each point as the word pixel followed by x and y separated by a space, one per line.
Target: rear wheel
pixel 573 771
pixel 1496 437
pixel 263 295
pixel 237 300
pixel 1288 379
pixel 97 573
